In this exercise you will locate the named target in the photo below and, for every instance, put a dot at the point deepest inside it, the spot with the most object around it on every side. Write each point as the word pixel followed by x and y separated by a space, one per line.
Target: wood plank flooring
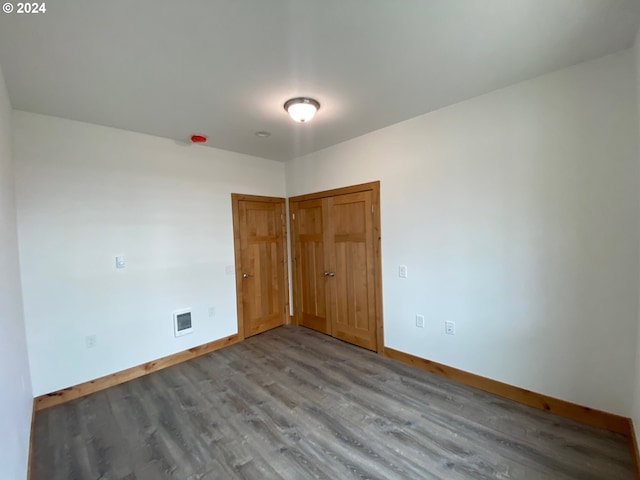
pixel 295 404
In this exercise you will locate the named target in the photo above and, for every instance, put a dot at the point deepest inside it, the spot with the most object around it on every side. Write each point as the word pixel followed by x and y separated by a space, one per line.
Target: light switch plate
pixel 120 263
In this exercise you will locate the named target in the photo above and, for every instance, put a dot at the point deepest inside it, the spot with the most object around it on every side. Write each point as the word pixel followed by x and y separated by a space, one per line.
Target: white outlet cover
pixel 402 271
pixel 450 328
pixel 420 321
pixel 120 262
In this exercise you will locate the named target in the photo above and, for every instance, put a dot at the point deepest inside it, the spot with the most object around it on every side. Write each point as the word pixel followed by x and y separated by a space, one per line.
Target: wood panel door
pixel 309 264
pixel 337 271
pixel 261 285
pixel 352 300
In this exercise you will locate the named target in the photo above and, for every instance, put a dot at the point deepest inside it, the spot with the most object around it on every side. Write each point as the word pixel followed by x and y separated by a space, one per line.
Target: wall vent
pixel 182 322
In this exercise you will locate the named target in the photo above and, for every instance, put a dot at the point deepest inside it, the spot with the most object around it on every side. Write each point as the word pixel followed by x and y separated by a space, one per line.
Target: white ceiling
pixel 225 67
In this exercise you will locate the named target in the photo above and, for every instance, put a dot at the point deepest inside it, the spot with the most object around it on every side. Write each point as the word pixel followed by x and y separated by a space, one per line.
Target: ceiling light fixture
pixel 302 109
pixel 263 134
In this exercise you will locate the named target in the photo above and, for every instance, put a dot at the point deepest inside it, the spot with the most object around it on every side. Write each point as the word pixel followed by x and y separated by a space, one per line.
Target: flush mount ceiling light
pixel 302 109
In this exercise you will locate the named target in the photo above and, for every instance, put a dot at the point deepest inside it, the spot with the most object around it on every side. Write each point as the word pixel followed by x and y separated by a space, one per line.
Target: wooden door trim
pixel 294 276
pixel 256 198
pixel 377 255
pixel 237 251
pixel 236 198
pixel 374 187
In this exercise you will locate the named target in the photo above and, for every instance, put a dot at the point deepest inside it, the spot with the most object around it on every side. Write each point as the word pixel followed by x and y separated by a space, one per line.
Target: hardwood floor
pixel 292 403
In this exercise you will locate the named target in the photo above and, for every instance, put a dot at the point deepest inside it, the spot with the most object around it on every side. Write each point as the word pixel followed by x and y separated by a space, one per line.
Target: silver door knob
pixel 245 275
pixel 329 274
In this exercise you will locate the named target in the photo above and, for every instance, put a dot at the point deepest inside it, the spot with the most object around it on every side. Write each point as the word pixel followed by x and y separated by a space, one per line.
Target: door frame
pixel 236 198
pixel 374 187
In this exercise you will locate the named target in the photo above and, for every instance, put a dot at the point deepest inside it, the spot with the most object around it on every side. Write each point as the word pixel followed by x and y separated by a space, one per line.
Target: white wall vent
pixel 182 322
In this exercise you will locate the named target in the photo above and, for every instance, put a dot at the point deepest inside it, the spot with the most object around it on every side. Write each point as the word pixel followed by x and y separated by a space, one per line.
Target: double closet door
pixel 336 263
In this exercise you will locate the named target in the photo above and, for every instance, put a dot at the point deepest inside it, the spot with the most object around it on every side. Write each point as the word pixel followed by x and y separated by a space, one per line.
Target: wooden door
pixel 337 264
pixel 351 296
pixel 259 234
pixel 309 264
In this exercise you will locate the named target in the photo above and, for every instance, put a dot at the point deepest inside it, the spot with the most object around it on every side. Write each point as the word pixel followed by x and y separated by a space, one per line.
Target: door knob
pixel 245 275
pixel 329 274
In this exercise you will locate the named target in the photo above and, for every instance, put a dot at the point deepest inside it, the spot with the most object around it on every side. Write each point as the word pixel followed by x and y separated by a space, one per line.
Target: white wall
pixel 16 400
pixel 86 194
pixel 635 414
pixel 517 215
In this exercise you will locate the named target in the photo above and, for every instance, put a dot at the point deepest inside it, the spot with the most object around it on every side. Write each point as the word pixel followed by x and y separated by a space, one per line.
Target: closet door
pixel 352 302
pixel 309 264
pixel 336 264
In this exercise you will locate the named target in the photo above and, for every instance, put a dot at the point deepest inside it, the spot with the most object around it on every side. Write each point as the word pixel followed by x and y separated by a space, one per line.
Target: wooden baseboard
pixel 590 416
pixel 77 391
pixel 31 439
pixel 635 453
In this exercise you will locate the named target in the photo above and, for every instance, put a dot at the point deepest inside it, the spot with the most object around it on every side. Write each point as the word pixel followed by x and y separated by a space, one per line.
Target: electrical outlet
pixel 450 328
pixel 420 321
pixel 90 341
pixel 402 271
pixel 212 311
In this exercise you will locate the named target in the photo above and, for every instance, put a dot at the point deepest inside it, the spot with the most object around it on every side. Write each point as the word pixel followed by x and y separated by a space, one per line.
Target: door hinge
pixel 293 216
pixel 371 208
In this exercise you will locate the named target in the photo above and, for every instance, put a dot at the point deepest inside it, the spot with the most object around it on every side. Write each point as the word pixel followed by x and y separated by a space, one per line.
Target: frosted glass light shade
pixel 302 109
